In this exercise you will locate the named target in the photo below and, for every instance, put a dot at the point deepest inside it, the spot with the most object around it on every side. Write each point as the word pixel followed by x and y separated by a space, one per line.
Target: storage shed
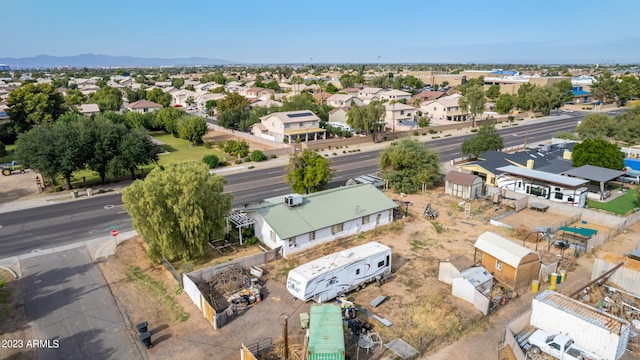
pixel 510 263
pixel 466 186
pixel 474 285
pixel 452 267
pixel 326 335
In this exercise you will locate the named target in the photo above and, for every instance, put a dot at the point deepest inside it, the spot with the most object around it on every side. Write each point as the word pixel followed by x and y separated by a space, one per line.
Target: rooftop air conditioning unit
pixel 293 200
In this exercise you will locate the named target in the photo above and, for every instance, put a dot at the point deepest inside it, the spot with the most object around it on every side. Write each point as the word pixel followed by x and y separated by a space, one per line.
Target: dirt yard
pixel 422 311
pixel 18 186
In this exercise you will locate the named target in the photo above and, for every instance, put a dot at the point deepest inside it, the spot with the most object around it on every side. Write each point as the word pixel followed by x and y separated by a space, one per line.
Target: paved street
pixel 67 299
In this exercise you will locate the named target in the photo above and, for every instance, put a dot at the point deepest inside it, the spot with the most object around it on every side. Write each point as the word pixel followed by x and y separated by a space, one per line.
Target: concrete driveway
pixel 67 299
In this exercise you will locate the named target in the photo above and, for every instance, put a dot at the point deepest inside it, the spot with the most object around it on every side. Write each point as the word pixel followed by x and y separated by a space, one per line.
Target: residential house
pixel 397 95
pixel 425 97
pixel 444 108
pixel 183 97
pixel 256 92
pixel 351 91
pixel 264 102
pixel 399 114
pixel 321 97
pixel 554 158
pixel 143 106
pixel 290 126
pixel 512 264
pixel 474 286
pixel 466 186
pixel 339 115
pixel 88 109
pixel 367 92
pixel 321 217
pixel 343 100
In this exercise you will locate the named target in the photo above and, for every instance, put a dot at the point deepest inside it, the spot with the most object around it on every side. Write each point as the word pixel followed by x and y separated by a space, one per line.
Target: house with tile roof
pixel 426 96
pixel 342 100
pixel 339 115
pixel 444 108
pixel 320 217
pixel 88 109
pixel 290 126
pixel 143 106
pixel 398 114
pixel 396 95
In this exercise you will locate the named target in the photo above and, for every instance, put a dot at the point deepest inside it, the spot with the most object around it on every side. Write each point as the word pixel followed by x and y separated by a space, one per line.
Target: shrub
pixel 207 145
pixel 273 156
pixel 431 131
pixel 211 160
pixel 415 133
pixel 474 130
pixel 257 156
pixel 447 135
pixel 424 133
pixel 238 161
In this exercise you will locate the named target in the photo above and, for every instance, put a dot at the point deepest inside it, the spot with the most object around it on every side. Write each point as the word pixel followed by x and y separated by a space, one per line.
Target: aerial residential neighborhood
pixel 278 182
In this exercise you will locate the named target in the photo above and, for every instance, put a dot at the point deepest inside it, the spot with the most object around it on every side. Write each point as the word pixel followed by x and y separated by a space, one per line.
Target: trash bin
pixel 142 327
pixel 145 337
pixel 74 194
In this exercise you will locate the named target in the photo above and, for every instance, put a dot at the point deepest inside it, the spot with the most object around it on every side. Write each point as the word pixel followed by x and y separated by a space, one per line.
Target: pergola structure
pixel 240 220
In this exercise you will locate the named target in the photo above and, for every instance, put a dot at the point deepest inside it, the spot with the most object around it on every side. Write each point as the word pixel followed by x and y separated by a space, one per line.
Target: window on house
pixel 380 263
pixel 498 265
pixel 287 126
pixel 273 236
pixel 357 271
pixel 337 228
pixel 292 242
pixel 401 112
pixel 434 108
pixel 365 220
pixel 378 219
pixel 312 236
pixel 301 124
pixel 559 196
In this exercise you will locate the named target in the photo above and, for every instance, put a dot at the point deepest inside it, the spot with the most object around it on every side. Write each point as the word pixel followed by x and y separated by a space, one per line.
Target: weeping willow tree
pixel 178 210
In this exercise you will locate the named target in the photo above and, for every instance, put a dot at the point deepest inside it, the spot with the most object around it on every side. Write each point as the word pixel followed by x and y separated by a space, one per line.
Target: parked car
pixel 633 180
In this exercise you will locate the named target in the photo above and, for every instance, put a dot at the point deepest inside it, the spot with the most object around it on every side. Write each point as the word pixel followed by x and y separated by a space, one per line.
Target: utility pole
pixel 286 339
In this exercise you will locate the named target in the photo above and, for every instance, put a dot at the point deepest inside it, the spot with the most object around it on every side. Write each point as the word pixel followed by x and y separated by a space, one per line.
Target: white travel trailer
pixel 330 276
pixel 553 192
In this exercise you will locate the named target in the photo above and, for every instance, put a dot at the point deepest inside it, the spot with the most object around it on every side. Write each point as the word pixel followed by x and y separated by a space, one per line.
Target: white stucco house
pixel 320 217
pixel 288 126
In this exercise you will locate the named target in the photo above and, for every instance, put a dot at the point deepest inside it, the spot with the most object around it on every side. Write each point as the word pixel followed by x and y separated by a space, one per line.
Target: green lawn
pixel 181 150
pixel 621 205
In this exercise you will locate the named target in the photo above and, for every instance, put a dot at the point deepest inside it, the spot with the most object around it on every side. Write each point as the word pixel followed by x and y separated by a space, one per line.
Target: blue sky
pixel 328 31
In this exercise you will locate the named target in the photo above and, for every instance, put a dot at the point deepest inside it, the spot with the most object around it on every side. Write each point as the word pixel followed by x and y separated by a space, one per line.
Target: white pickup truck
pixel 559 346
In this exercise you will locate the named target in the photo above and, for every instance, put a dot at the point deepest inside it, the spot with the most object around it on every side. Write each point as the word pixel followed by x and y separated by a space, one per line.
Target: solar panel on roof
pixel 299 115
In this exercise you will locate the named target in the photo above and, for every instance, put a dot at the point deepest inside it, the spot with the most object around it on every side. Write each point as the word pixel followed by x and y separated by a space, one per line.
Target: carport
pixel 595 173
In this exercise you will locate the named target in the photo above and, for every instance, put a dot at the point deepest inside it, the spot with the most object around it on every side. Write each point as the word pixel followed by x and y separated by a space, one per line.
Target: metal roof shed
pixel 510 263
pixel 326 335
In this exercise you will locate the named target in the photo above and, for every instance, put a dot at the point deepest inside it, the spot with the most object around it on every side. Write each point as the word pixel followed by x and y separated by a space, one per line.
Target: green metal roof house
pixel 326 335
pixel 299 222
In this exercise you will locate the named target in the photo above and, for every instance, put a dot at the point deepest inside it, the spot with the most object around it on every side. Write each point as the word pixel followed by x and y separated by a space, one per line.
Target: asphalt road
pixel 59 224
pixel 67 302
pixel 53 225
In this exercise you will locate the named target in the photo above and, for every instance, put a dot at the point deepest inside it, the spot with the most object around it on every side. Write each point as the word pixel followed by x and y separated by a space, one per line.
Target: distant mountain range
pixel 94 61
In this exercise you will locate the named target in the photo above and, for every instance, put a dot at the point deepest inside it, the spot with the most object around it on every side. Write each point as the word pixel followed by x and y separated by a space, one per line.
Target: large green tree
pixel 158 96
pixel 189 207
pixel 627 126
pixel 101 137
pixel 107 98
pixel 472 102
pixel 598 152
pixel 605 87
pixel 505 103
pixel 53 149
pixel 595 126
pixel 308 172
pixel 409 164
pixel 493 92
pixel 486 139
pixel 192 128
pixel 134 149
pixel 33 104
pixel 367 118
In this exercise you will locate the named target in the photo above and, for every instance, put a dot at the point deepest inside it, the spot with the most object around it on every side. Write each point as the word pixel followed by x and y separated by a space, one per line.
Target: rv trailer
pixel 330 276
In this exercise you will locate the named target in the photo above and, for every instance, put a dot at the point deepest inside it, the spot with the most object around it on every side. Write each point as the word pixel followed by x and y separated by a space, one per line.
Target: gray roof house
pixel 319 218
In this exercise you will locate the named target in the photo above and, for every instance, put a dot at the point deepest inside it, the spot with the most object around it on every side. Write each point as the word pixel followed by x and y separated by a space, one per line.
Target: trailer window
pixel 312 236
pixel 559 195
pixel 498 264
pixel 337 228
pixel 365 220
pixel 380 263
pixel 387 264
pixel 357 271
